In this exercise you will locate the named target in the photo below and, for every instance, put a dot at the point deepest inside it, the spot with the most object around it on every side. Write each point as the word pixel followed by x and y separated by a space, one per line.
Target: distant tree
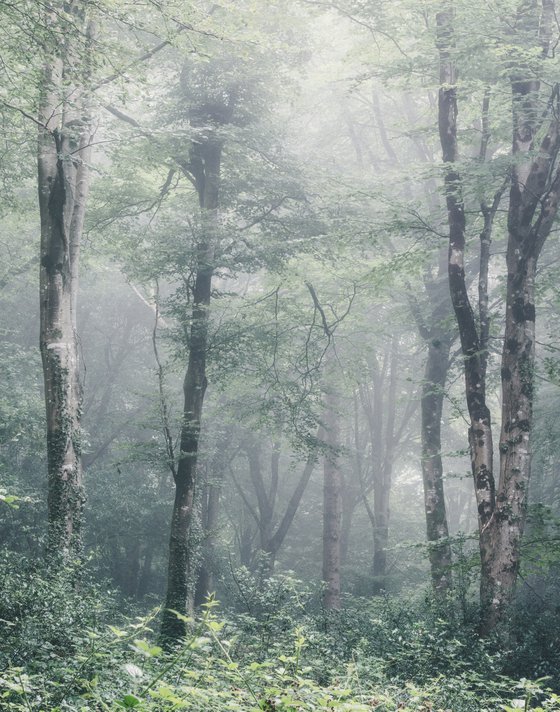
pixel 332 503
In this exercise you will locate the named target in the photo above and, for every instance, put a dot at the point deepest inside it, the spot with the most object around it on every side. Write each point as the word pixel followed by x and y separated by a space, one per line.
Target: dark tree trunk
pixel 480 432
pixel 533 207
pixel 63 180
pixel 534 197
pixel 205 164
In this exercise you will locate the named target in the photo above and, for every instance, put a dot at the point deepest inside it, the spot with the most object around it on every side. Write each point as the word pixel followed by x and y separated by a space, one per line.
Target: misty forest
pixel 279 355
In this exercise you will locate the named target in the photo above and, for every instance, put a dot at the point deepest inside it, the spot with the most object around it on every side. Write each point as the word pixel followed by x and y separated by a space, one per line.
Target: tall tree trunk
pixel 205 165
pixel 480 432
pixel 439 339
pixel 533 206
pixel 518 363
pixel 433 389
pixel 63 180
pixel 332 507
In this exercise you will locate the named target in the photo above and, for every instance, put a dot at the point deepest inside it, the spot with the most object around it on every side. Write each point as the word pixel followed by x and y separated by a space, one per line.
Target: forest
pixel 280 355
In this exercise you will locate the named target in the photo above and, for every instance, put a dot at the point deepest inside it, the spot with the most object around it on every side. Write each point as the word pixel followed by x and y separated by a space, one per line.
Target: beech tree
pixel 65 135
pixel 533 205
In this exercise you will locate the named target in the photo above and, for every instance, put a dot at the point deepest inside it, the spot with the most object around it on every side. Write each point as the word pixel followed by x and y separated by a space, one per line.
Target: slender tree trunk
pixel 349 503
pixel 380 534
pixel 146 573
pixel 332 507
pixel 480 432
pixel 205 579
pixel 63 180
pixel 380 412
pixel 277 539
pixel 433 389
pixel 207 158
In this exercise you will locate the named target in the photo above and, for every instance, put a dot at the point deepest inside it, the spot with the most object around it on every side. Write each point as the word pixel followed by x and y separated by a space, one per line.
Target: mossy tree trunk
pixel 65 133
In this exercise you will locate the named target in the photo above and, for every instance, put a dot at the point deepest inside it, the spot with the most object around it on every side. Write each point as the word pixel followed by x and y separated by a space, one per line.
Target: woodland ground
pixel 271 648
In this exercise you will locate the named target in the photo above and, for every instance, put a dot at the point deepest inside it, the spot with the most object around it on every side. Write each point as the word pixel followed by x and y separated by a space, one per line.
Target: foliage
pixel 379 656
pixel 330 180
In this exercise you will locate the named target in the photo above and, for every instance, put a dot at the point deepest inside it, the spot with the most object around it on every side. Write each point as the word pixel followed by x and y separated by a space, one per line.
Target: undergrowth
pixel 273 648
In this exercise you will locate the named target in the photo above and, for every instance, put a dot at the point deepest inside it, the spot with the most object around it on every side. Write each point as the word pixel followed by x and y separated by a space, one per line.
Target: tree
pixel 202 166
pixel 439 339
pixel 533 205
pixel 272 537
pixel 65 135
pixel 220 99
pixel 332 503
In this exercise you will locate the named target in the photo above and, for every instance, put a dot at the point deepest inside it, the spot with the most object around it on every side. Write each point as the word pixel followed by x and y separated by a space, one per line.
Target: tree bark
pixel 433 389
pixel 533 206
pixel 205 577
pixel 480 431
pixel 204 164
pixel 534 197
pixel 332 507
pixel 64 141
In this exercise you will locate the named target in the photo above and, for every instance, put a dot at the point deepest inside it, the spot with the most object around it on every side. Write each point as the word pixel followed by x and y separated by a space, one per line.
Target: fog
pixel 280 332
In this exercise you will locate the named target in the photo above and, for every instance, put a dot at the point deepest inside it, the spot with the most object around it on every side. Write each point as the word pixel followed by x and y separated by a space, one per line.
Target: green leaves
pixel 129 702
